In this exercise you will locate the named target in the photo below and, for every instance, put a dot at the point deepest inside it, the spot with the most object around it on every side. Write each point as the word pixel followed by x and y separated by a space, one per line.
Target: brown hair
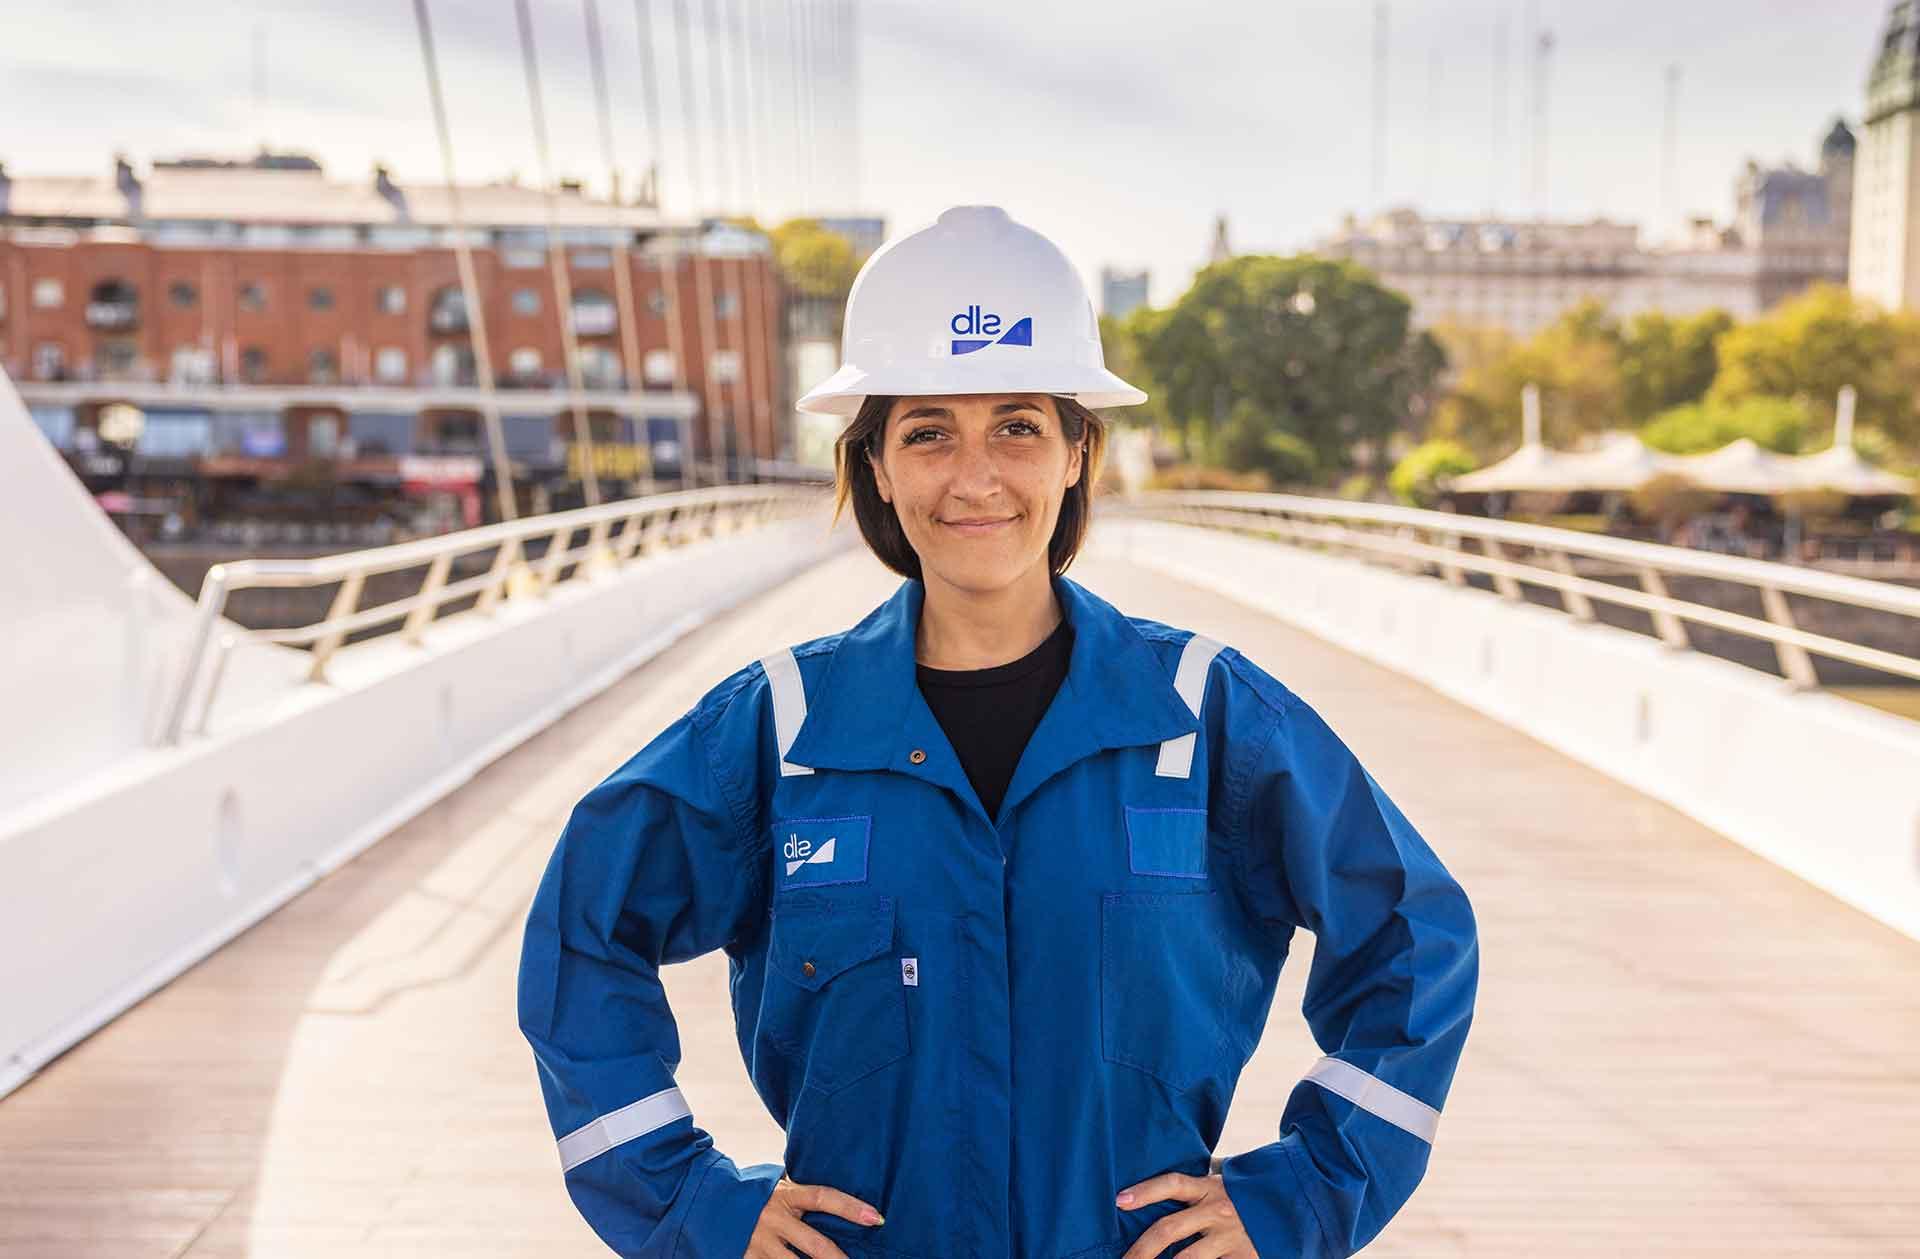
pixel 880 523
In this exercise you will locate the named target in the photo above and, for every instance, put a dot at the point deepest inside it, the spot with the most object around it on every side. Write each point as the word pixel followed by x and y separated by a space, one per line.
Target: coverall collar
pixel 867 713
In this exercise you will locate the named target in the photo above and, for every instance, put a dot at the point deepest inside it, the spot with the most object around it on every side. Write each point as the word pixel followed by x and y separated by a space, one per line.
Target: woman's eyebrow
pixel 943 413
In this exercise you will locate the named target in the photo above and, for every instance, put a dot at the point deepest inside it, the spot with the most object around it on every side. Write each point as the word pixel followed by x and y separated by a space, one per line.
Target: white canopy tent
pixel 1621 462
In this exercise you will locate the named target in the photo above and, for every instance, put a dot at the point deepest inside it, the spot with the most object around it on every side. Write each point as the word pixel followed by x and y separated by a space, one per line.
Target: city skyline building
pixel 1789 230
pixel 328 316
pixel 1122 291
pixel 1885 259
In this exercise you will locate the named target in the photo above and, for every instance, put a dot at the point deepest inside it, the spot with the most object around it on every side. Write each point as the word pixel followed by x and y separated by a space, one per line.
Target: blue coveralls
pixel 986 1027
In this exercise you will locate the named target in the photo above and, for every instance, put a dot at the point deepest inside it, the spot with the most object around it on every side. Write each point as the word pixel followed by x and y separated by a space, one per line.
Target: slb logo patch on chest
pixel 811 851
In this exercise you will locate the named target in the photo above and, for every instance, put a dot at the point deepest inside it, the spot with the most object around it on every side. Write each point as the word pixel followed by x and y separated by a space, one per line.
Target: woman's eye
pixel 913 438
pixel 1029 425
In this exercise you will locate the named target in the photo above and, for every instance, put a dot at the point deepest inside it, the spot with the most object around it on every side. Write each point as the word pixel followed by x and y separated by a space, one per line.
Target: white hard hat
pixel 973 303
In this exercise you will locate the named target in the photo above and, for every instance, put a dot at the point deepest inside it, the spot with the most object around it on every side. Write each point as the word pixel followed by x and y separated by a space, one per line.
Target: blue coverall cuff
pixel 725 1207
pixel 1266 1193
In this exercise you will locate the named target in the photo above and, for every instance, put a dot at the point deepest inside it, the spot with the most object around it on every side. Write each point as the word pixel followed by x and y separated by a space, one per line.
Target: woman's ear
pixel 1076 460
pixel 880 475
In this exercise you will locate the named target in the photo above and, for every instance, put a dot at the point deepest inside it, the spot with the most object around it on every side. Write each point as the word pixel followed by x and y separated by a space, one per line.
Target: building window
pixel 253 296
pixel 454 366
pixel 390 365
pixel 253 365
pixel 657 367
pixel 320 299
pixel 524 361
pixel 323 436
pixel 449 311
pixel 192 365
pixel 726 304
pixel 524 259
pixel 323 367
pixel 593 313
pixel 391 300
pixel 183 294
pixel 49 294
pixel 526 301
pixel 591 259
pixel 724 367
pixel 113 306
pixel 600 368
pixel 50 361
pixel 657 301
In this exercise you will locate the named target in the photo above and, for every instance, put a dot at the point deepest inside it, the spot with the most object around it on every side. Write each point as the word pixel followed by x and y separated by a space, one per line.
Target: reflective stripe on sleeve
pixel 789 705
pixel 1190 679
pixel 617 1127
pixel 1376 1097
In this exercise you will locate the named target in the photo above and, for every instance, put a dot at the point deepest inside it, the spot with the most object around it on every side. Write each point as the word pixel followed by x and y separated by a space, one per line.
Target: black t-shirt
pixel 989 714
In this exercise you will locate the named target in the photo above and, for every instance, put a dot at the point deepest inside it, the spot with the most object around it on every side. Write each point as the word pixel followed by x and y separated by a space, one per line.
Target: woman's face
pixel 977 481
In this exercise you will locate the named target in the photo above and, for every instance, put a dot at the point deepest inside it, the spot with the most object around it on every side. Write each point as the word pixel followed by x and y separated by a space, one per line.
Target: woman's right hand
pixel 779 1226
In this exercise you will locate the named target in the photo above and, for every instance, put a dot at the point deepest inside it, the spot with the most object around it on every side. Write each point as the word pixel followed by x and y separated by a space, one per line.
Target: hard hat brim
pixel 842 393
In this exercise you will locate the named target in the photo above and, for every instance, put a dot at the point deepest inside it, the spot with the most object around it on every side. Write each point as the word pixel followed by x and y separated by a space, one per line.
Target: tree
pixel 1779 424
pixel 1313 348
pixel 1120 346
pixel 1667 362
pixel 1810 346
pixel 816 262
pixel 1575 360
pixel 1417 478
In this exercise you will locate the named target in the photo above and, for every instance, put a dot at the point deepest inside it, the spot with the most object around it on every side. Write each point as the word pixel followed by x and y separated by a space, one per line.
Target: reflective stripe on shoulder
pixel 1376 1097
pixel 1190 679
pixel 617 1127
pixel 789 704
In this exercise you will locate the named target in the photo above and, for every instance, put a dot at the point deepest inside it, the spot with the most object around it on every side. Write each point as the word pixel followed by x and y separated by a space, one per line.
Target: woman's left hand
pixel 1210 1214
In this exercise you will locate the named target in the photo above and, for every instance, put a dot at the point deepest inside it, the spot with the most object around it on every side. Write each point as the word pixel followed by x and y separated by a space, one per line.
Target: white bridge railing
pixel 1448 546
pixel 615 534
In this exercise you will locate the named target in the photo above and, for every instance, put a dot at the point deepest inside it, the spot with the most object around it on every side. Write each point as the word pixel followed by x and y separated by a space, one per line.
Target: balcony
pixel 116 316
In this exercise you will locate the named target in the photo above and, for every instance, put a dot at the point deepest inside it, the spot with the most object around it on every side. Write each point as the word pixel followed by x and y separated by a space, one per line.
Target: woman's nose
pixel 974 468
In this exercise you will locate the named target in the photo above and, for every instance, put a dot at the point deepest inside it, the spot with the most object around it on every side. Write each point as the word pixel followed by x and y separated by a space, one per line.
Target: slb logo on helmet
pixel 974 330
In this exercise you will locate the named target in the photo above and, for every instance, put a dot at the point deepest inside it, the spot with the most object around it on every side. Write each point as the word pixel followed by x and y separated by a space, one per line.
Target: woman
pixel 1005 877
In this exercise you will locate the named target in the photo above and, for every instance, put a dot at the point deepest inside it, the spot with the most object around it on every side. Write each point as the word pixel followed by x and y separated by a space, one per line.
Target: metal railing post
pixel 345 603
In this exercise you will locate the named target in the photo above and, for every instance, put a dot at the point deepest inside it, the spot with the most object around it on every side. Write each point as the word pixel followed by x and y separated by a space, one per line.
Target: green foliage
pixel 1357 487
pixel 1575 360
pixel 1667 362
pixel 1809 346
pixel 1416 477
pixel 1252 442
pixel 814 261
pixel 1779 424
pixel 1120 342
pixel 1303 346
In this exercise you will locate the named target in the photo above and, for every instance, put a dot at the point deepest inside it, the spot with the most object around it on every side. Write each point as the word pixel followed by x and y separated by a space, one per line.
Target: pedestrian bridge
pixel 263 893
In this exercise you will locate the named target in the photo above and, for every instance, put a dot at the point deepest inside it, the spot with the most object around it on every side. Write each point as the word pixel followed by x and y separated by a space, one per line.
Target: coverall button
pixel 806 968
pixel 916 756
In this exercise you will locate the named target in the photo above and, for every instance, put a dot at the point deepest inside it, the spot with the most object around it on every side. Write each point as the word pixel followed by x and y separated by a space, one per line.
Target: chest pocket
pixel 1174 992
pixel 834 996
pixel 1174 995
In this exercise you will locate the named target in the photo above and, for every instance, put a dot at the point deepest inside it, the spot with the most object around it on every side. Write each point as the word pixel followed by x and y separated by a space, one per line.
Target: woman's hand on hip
pixel 1209 1213
pixel 780 1226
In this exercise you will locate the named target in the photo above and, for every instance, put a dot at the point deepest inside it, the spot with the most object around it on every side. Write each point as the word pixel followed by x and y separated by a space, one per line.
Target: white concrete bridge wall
pixel 1823 786
pixel 122 863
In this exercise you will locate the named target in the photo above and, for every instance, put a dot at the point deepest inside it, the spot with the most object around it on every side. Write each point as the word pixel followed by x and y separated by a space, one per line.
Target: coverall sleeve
pixel 1389 995
pixel 654 865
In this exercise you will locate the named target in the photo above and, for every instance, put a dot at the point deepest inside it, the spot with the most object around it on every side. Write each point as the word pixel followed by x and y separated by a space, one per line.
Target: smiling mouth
pixel 985 526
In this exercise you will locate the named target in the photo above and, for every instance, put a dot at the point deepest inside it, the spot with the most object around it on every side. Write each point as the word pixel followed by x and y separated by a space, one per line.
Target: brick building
pixel 258 314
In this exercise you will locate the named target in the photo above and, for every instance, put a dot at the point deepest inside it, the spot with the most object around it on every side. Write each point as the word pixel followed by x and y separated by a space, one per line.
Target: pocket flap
pixel 814 940
pixel 1167 841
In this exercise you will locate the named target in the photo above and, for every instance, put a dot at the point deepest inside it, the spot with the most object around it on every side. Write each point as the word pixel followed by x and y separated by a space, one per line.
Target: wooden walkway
pixel 1679 1049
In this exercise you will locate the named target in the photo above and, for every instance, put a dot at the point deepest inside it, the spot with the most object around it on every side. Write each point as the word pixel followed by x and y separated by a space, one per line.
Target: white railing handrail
pixel 696 513
pixel 1790 578
pixel 1392 531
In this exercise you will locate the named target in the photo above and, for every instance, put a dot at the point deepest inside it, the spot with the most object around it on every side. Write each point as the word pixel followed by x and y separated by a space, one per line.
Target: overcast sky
pixel 1118 127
